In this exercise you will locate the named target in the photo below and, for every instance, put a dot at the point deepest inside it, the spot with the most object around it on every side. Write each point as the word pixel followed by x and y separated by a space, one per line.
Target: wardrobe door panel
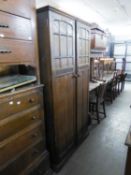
pixel 82 102
pixel 83 44
pixel 62 32
pixel 82 78
pixel 64 118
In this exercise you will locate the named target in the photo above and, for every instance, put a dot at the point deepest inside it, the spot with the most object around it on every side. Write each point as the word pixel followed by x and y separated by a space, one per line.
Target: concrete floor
pixel 104 152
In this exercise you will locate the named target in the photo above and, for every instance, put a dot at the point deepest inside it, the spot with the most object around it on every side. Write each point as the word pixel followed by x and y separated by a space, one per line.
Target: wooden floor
pixel 104 152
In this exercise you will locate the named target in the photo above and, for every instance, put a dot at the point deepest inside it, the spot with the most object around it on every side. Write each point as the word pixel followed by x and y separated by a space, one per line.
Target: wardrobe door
pixel 83 46
pixel 62 31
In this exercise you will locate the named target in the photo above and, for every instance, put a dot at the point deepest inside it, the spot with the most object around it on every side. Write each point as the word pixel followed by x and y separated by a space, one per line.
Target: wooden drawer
pixel 19 121
pixel 19 102
pixel 14 27
pixel 25 159
pixel 16 144
pixel 16 51
pixel 21 7
pixel 42 168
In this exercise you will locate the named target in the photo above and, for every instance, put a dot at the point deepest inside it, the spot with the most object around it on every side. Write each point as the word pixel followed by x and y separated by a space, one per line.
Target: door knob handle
pixel 74 75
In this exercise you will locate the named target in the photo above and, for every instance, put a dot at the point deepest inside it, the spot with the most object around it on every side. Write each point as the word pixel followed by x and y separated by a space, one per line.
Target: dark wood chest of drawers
pixel 22 132
pixel 22 128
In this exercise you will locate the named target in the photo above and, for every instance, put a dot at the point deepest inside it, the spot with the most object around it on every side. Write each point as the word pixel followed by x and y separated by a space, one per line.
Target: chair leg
pixel 104 109
pixel 97 114
pixel 118 87
pixel 111 96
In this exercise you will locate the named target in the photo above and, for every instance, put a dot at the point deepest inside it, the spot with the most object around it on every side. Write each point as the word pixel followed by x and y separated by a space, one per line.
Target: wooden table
pixel 93 85
pixel 108 77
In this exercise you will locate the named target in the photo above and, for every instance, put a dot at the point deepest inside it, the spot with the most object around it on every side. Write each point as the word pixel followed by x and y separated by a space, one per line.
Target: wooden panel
pixel 19 121
pixel 18 7
pixel 83 44
pixel 17 103
pixel 83 55
pixel 82 101
pixel 14 27
pixel 42 167
pixel 14 51
pixel 11 147
pixel 64 112
pixel 62 41
pixel 18 165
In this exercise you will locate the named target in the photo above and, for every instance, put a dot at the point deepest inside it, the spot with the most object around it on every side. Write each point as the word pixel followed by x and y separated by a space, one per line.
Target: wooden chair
pixel 123 77
pixel 96 100
pixel 112 90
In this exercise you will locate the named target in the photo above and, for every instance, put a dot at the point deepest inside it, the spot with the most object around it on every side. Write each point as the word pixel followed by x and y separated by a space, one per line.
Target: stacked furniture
pixel 98 39
pixel 98 49
pixel 22 130
pixel 64 59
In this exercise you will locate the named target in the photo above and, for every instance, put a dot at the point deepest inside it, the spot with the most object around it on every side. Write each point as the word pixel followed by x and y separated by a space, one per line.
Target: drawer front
pixel 18 103
pixel 42 168
pixel 24 160
pixel 21 7
pixel 16 51
pixel 10 148
pixel 14 27
pixel 21 120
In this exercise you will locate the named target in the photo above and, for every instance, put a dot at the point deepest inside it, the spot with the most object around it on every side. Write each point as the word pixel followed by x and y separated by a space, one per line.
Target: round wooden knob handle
pixel 34 118
pixel 31 100
pixel 35 135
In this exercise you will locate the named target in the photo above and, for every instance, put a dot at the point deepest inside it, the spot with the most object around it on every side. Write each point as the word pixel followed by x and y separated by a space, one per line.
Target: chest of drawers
pixel 22 132
pixel 22 127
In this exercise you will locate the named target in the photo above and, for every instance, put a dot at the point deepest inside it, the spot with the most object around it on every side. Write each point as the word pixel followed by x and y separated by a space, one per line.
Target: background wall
pixel 114 15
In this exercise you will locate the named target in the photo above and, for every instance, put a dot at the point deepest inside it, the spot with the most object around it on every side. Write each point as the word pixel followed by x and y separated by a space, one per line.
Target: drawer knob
pixel 18 102
pixel 31 100
pixel 2 35
pixel 35 135
pixel 29 38
pixel 34 117
pixel 11 103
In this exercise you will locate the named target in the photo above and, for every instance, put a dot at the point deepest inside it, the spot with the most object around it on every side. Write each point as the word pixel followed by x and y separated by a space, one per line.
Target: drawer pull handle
pixel 35 135
pixel 34 117
pixel 5 51
pixel 2 35
pixel 31 100
pixel 18 102
pixel 29 38
pixel 4 26
pixel 11 103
